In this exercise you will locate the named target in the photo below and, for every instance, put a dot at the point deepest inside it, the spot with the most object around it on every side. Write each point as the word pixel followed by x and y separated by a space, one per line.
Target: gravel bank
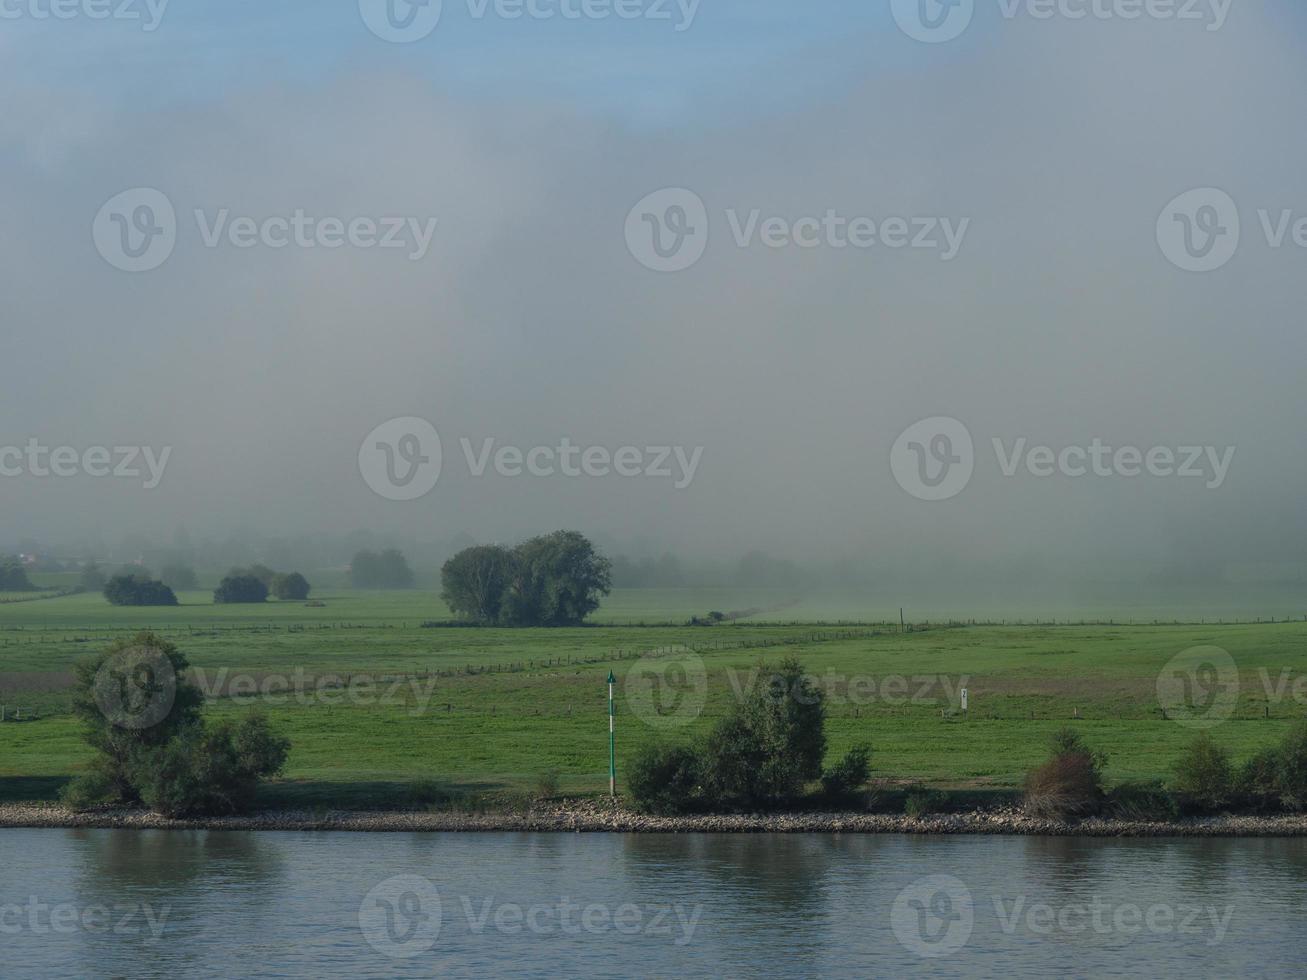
pixel 601 817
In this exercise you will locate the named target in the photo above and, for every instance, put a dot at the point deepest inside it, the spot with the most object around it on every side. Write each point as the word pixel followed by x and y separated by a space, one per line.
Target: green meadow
pixel 380 694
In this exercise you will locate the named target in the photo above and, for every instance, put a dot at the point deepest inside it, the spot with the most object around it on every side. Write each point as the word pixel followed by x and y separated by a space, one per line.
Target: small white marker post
pixel 964 700
pixel 612 740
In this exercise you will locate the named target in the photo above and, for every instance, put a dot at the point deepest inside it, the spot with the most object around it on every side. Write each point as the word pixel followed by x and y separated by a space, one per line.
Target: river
pixel 102 903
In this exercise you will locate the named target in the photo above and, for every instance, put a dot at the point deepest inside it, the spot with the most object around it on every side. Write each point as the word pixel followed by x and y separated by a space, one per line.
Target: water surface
pixel 202 903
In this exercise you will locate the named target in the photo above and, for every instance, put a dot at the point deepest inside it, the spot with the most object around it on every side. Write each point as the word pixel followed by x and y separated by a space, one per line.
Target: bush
pixel 666 780
pixel 921 802
pixel 1142 802
pixel 1258 782
pixel 1070 784
pixel 293 586
pixel 429 793
pixel 1292 775
pixel 138 590
pixel 89 790
pixel 763 753
pixel 214 770
pixel 240 589
pixel 843 781
pixel 1204 777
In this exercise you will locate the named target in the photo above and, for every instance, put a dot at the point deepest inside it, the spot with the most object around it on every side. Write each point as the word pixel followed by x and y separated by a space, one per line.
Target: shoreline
pixel 590 817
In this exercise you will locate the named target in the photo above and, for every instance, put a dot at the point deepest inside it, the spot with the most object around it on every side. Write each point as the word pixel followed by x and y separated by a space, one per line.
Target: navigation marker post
pixel 612 740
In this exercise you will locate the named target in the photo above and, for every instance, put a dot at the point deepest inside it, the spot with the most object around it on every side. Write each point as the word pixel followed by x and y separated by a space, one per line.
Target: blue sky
pixel 747 55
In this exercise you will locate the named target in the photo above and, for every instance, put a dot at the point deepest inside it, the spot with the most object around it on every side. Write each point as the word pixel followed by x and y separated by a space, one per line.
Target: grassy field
pixel 400 702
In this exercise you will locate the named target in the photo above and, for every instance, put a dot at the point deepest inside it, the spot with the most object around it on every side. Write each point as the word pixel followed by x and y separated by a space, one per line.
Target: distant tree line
pixel 380 570
pixel 554 580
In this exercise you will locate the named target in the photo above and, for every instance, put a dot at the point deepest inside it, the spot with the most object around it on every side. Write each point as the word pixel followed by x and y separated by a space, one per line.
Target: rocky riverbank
pixel 589 816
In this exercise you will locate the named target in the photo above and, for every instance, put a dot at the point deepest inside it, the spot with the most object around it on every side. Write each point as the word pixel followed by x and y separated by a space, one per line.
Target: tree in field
pixel 293 586
pixel 179 578
pixel 554 580
pixel 558 581
pixel 240 588
pixel 475 581
pixel 13 576
pixel 134 696
pixel 141 714
pixel 385 570
pixel 136 589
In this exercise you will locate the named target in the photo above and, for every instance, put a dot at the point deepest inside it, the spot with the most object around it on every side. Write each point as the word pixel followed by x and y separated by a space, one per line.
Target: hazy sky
pixel 1047 148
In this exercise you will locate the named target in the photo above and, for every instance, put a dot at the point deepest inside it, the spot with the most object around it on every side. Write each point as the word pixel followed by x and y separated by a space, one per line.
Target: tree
pixel 180 578
pixel 141 715
pixel 558 581
pixel 1204 775
pixel 239 588
pixel 387 570
pixel 136 589
pixel 293 586
pixel 475 581
pixel 13 576
pixel 210 770
pixel 773 743
pixel 134 695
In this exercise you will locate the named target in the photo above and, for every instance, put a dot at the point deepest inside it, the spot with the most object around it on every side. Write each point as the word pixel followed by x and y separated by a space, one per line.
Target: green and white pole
pixel 612 739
